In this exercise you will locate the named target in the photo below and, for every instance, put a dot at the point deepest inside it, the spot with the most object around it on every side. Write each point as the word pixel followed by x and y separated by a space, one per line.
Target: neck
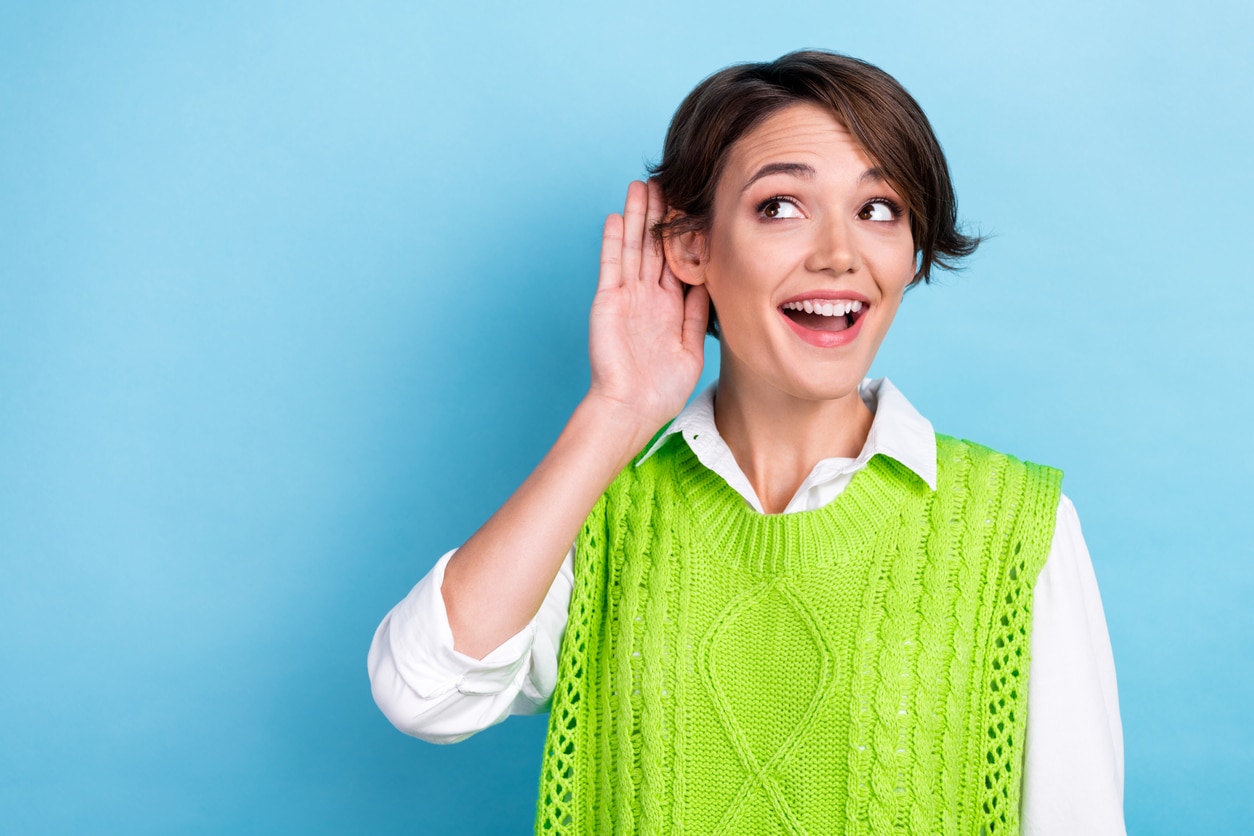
pixel 777 438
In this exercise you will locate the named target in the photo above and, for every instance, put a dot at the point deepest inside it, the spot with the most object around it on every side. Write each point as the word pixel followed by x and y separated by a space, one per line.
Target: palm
pixel 645 334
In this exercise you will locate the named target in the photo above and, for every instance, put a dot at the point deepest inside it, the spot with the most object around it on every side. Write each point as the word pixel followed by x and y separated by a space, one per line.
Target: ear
pixel 686 254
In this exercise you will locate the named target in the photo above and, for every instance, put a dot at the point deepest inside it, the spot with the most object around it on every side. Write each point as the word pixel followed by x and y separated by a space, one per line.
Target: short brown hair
pixel 884 119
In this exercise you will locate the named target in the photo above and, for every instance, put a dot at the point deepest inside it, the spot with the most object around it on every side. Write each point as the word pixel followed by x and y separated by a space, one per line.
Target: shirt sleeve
pixel 1073 760
pixel 431 691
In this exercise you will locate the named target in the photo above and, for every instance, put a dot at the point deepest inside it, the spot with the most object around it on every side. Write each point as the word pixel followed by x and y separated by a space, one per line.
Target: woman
pixel 794 608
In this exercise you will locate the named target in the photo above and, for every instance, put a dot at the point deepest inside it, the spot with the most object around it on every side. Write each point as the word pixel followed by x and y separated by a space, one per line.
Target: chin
pixel 833 390
pixel 835 383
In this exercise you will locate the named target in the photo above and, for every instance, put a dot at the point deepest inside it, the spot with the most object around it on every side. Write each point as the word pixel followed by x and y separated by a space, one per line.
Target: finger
pixel 611 253
pixel 696 316
pixel 669 281
pixel 633 228
pixel 651 256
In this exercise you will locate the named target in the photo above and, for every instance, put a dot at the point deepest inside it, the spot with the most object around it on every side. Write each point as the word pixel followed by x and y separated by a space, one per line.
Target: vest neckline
pixel 786 543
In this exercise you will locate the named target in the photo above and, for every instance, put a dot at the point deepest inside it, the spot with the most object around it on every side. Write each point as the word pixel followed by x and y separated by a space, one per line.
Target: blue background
pixel 293 294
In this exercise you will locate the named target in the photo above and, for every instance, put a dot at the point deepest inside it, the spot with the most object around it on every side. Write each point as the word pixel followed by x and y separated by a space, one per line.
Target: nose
pixel 834 247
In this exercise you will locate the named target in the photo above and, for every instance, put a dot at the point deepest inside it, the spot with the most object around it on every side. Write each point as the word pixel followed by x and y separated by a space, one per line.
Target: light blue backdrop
pixel 293 294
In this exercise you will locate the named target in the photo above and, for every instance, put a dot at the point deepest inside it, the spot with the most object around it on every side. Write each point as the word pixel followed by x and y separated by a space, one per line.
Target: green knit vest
pixel 860 668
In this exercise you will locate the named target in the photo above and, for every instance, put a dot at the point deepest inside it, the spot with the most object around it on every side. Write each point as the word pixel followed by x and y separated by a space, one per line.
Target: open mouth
pixel 825 314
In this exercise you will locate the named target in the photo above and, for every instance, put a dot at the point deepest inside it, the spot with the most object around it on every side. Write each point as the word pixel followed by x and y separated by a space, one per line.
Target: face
pixel 806 258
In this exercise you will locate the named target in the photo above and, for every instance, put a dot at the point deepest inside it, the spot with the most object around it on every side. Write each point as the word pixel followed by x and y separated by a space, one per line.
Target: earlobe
pixel 685 255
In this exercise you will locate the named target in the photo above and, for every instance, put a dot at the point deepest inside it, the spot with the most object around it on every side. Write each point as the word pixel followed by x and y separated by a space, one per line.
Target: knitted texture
pixel 860 668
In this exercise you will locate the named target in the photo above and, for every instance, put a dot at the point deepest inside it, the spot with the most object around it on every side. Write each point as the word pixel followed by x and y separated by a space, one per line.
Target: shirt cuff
pixel 421 642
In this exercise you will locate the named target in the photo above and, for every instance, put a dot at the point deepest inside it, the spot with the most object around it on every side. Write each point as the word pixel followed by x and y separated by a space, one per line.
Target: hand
pixel 646 334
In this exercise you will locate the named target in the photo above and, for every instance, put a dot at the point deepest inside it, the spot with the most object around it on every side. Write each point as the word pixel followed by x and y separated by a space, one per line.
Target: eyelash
pixel 779 198
pixel 891 204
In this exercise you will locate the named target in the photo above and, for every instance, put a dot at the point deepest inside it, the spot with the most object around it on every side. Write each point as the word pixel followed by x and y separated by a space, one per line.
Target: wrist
pixel 621 430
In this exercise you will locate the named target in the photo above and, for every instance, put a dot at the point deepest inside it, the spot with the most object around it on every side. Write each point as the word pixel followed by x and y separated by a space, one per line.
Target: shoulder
pixel 661 463
pixel 667 456
pixel 968 459
pixel 1022 497
pixel 1008 508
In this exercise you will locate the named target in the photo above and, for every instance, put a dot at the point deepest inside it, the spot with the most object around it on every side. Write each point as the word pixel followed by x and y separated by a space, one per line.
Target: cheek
pixel 759 262
pixel 895 265
pixel 738 273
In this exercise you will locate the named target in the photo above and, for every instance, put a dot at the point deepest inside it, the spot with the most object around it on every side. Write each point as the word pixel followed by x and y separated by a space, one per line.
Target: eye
pixel 778 207
pixel 879 210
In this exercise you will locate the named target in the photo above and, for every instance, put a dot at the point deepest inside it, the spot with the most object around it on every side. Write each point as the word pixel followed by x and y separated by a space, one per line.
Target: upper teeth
pixel 824 307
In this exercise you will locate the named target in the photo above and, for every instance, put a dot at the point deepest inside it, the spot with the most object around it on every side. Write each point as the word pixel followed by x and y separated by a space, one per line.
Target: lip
pixel 826 339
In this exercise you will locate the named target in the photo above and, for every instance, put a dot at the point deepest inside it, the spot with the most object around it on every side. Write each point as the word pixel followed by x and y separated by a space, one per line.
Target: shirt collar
pixel 897 431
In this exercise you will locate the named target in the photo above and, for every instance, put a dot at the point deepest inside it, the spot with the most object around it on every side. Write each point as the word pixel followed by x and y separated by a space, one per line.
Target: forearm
pixel 495 583
pixel 645 347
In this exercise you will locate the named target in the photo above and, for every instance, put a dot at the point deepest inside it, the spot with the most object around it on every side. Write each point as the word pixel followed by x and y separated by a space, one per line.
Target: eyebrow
pixel 806 172
pixel 872 174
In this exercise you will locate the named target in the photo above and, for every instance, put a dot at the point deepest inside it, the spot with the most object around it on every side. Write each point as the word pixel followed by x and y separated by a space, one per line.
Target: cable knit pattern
pixel 859 668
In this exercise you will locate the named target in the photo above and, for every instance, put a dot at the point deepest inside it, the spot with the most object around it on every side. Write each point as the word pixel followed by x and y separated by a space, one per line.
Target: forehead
pixel 799 133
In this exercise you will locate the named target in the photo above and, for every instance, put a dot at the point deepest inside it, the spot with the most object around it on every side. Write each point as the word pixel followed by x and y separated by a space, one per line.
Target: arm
pixel 431 691
pixel 1073 763
pixel 645 344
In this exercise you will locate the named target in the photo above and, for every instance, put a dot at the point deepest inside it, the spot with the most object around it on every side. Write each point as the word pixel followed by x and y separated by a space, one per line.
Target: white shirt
pixel 1073 760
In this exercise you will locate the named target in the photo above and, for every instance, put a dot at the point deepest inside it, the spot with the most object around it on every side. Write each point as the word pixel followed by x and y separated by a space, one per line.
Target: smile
pixel 822 322
pixel 823 314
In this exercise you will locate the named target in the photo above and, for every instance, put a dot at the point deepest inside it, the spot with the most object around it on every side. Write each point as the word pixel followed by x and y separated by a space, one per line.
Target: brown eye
pixel 877 210
pixel 778 208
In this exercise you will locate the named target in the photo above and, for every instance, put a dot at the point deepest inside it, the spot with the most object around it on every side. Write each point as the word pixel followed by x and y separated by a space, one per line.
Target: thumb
pixel 696 315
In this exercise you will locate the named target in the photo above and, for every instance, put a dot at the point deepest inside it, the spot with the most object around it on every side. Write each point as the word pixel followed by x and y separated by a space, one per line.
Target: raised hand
pixel 646 340
pixel 646 332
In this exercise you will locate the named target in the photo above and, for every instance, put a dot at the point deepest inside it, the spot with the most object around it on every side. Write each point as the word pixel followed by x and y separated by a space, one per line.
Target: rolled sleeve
pixel 428 689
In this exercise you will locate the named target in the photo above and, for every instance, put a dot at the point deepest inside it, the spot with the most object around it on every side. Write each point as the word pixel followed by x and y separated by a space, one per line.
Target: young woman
pixel 794 608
